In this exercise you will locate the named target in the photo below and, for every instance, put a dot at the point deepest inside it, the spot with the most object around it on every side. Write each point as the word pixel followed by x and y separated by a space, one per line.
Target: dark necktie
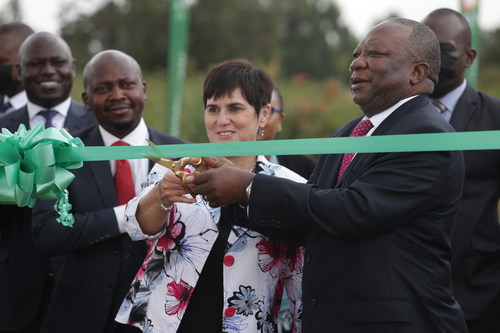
pixel 48 115
pixel 361 129
pixel 124 183
pixel 439 106
pixel 4 107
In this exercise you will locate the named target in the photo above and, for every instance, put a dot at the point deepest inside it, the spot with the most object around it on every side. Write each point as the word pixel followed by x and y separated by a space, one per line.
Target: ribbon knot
pixel 29 168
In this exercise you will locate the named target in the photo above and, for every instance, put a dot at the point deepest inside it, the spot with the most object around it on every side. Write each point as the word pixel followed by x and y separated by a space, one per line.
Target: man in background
pixel 301 164
pixel 99 258
pixel 12 95
pixel 47 69
pixel 476 233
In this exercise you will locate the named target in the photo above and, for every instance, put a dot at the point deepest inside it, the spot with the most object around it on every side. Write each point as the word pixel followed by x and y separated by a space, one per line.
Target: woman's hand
pixel 171 190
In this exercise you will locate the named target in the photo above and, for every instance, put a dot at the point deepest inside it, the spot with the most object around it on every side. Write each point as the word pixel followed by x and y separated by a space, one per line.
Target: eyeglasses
pixel 273 110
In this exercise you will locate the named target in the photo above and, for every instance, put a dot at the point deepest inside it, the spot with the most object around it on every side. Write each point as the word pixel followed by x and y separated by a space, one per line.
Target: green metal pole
pixel 470 9
pixel 177 60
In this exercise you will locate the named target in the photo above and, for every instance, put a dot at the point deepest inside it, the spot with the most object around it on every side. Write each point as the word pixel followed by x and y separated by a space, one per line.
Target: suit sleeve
pixel 393 189
pixel 90 229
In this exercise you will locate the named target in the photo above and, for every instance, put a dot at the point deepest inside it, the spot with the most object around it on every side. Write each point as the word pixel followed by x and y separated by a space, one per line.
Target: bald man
pixel 46 69
pixel 100 259
pixel 476 234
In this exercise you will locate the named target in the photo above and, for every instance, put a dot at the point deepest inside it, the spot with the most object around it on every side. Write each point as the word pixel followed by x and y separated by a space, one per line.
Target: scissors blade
pixel 166 162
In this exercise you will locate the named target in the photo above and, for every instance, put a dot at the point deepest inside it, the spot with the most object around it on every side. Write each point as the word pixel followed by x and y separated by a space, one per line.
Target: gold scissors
pixel 176 166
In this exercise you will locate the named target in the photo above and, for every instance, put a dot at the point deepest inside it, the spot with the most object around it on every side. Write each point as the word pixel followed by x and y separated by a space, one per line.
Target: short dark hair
pixel 255 84
pixel 464 24
pixel 280 98
pixel 423 46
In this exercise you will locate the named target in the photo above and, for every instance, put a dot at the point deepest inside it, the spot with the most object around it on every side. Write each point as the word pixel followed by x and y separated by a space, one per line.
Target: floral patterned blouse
pixel 256 268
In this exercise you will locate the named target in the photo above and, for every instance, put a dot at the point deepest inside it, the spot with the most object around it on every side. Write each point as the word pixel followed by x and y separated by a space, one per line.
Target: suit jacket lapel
pixel 385 126
pixel 330 163
pixel 101 170
pixel 465 108
pixel 19 118
pixel 76 118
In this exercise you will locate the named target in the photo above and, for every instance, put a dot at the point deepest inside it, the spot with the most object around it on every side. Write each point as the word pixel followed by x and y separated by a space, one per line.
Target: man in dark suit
pixel 377 237
pixel 476 233
pixel 47 69
pixel 100 260
pixel 12 91
pixel 301 164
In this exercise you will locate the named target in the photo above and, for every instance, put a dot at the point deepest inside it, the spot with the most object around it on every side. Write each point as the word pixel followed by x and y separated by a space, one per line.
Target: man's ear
pixel 420 72
pixel 471 55
pixel 85 99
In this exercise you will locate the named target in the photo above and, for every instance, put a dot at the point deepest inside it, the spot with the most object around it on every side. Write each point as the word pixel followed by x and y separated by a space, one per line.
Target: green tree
pixel 223 29
pixel 137 27
pixel 314 41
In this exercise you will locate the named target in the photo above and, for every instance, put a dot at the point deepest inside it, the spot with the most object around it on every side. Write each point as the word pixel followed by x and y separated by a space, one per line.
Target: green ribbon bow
pixel 30 169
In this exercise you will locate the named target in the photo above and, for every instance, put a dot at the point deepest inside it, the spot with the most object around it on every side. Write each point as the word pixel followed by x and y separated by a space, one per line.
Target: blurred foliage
pixel 137 27
pixel 313 108
pixel 301 43
pixel 295 37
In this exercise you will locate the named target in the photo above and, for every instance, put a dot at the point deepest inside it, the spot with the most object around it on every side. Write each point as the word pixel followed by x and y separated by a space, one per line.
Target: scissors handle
pixel 182 175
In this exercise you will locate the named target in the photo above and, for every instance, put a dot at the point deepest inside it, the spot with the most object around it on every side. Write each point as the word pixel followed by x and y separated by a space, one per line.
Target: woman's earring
pixel 261 132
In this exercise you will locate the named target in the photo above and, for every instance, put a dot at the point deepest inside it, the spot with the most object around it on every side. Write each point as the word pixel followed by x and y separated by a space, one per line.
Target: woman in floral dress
pixel 203 273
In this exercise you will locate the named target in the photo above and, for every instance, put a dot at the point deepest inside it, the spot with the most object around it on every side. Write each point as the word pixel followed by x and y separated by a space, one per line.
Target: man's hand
pixel 223 185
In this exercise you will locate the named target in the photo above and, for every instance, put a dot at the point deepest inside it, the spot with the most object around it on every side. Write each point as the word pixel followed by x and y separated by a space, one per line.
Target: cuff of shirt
pixel 120 218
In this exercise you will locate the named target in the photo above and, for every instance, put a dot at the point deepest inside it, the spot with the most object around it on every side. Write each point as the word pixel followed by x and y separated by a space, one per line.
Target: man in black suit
pixel 476 233
pixel 47 69
pixel 13 96
pixel 377 237
pixel 100 260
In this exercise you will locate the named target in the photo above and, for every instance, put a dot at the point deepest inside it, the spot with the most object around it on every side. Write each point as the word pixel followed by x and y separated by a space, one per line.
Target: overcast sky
pixel 359 15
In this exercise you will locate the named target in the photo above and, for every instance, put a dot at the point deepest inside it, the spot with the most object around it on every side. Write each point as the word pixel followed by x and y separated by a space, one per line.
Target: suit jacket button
pixel 314 301
pixel 308 258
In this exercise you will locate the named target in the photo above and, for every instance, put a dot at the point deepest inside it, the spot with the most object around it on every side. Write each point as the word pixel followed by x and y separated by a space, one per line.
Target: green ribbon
pixel 30 169
pixel 34 163
pixel 482 140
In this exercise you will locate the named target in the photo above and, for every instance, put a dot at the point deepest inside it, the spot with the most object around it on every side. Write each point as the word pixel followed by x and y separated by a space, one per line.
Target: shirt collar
pixel 450 100
pixel 135 138
pixel 380 117
pixel 61 108
pixel 18 100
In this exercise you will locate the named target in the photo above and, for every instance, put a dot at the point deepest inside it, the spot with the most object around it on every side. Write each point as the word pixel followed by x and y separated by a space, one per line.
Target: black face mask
pixel 446 76
pixel 8 86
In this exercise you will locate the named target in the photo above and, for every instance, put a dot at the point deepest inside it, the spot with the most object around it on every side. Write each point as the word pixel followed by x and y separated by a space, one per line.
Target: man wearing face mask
pixel 12 94
pixel 476 234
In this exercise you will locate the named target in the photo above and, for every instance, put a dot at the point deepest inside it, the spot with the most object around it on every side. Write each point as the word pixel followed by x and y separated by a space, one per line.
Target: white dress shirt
pixel 17 101
pixel 58 120
pixel 450 100
pixel 140 166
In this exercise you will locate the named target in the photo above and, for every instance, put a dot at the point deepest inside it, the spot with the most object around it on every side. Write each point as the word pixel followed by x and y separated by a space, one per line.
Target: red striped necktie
pixel 363 127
